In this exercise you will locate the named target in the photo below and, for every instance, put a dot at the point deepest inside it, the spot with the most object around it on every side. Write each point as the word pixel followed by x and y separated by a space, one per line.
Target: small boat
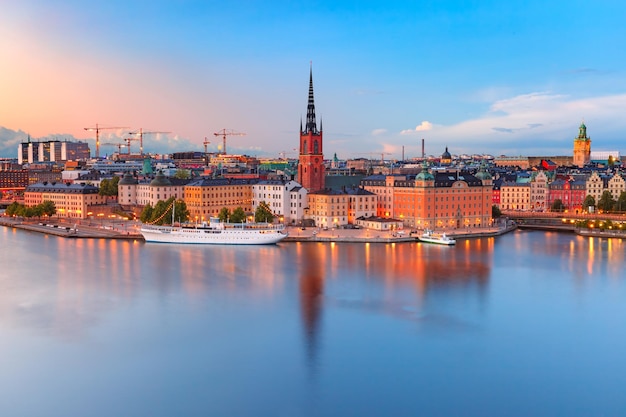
pixel 216 233
pixel 431 237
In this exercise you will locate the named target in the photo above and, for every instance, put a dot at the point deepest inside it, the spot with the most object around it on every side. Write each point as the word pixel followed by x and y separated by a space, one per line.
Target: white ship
pixel 216 233
pixel 431 237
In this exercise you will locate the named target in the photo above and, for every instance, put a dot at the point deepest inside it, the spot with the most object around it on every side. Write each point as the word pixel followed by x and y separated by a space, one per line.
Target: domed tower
pixel 582 147
pixel 311 170
pixel 127 190
pixel 446 158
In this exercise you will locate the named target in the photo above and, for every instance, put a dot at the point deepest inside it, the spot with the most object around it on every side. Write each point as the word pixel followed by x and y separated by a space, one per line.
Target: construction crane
pixel 98 129
pixel 140 132
pixel 205 143
pixel 227 132
pixel 119 146
pixel 128 141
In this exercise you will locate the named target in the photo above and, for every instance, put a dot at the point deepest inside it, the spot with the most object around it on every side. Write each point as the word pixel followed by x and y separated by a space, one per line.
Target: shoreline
pixel 129 231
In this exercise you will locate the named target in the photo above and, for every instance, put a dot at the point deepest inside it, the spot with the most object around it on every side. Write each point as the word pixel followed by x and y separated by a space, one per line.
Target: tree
pixel 48 208
pixel 181 214
pixel 589 201
pixel 146 213
pixel 557 205
pixel 495 212
pixel 620 204
pixel 224 214
pixel 606 201
pixel 263 213
pixel 183 174
pixel 238 215
pixel 108 187
pixel 13 209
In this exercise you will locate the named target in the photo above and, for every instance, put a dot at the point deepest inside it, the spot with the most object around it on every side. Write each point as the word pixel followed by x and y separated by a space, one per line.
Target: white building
pixel 286 198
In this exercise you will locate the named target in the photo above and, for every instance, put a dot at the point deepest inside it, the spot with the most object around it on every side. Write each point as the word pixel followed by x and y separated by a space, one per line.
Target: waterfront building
pixel 127 190
pixel 286 198
pixel 582 147
pixel 334 208
pixel 515 195
pixel 595 185
pixel 616 185
pixel 161 188
pixel 206 197
pixel 539 192
pixel 311 168
pixel 383 187
pixel 441 199
pixel 70 200
pixel 571 192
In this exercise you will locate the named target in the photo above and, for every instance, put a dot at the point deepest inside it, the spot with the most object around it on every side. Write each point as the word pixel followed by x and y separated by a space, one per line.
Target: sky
pixel 498 77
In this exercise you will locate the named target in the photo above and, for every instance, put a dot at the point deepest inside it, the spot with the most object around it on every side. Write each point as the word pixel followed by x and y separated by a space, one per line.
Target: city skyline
pixel 515 78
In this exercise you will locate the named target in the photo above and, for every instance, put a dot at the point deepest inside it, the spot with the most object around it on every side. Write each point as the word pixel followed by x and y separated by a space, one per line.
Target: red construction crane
pixel 98 129
pixel 227 132
pixel 140 132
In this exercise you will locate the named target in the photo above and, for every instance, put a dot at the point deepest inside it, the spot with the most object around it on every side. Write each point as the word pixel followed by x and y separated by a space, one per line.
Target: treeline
pixel 46 208
pixel 161 213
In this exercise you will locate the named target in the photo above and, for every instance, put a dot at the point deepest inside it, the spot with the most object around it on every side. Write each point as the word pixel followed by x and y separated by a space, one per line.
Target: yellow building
pixel 206 197
pixel 70 200
pixel 333 208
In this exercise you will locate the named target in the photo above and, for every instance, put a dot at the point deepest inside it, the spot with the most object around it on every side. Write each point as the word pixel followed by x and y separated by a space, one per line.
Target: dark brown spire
pixel 311 125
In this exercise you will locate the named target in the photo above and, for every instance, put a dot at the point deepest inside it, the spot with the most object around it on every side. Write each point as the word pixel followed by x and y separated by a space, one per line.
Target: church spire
pixel 311 125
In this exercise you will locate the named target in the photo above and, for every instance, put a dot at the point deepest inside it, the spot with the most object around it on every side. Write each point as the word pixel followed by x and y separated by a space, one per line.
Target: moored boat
pixel 431 237
pixel 216 233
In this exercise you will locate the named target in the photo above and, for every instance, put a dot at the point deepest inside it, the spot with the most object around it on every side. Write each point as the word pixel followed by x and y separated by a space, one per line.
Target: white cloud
pixel 422 127
pixel 378 132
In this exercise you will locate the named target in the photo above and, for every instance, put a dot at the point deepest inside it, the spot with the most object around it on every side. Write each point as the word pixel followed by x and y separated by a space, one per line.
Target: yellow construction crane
pixel 227 132
pixel 140 132
pixel 98 129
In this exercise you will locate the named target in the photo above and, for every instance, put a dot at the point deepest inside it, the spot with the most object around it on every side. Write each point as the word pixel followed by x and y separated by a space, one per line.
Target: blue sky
pixel 513 78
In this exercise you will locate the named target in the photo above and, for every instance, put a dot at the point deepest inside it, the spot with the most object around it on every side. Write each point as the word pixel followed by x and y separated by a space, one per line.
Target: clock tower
pixel 582 147
pixel 311 170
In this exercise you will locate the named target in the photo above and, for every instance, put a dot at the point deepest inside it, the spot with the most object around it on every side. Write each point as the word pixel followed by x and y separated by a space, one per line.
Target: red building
pixel 571 193
pixel 311 170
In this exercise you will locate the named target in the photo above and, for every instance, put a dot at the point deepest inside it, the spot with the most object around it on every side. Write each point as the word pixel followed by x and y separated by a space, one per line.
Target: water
pixel 529 323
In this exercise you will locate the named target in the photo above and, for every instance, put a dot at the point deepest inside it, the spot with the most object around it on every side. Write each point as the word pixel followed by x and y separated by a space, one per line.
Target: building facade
pixel 286 199
pixel 70 200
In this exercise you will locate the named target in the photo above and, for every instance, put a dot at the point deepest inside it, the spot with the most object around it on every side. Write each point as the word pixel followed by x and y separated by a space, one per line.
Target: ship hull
pixel 209 236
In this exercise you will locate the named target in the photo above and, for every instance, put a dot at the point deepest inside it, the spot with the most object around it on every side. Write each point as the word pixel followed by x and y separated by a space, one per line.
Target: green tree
pixel 146 213
pixel 238 215
pixel 161 213
pixel 183 174
pixel 495 212
pixel 620 204
pixel 589 201
pixel 263 213
pixel 224 214
pixel 108 187
pixel 181 214
pixel 48 208
pixel 13 209
pixel 606 201
pixel 557 205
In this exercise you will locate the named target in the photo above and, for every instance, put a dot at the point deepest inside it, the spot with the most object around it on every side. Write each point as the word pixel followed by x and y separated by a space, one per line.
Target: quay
pixel 130 230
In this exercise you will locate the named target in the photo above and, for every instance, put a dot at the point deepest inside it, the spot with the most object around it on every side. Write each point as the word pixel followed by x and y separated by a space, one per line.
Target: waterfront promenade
pixel 130 230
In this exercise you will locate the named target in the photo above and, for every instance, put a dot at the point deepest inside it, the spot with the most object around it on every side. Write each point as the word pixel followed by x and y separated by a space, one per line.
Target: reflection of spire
pixel 311 290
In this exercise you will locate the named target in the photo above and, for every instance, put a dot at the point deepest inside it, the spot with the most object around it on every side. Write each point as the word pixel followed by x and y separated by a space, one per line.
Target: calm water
pixel 527 324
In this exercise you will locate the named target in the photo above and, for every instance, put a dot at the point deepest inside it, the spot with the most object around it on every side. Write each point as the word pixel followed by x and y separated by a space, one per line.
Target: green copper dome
pixel 424 174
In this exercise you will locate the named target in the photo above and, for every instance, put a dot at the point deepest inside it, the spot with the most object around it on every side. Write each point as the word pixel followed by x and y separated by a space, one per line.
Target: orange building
pixel 443 199
pixel 206 197
pixel 582 147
